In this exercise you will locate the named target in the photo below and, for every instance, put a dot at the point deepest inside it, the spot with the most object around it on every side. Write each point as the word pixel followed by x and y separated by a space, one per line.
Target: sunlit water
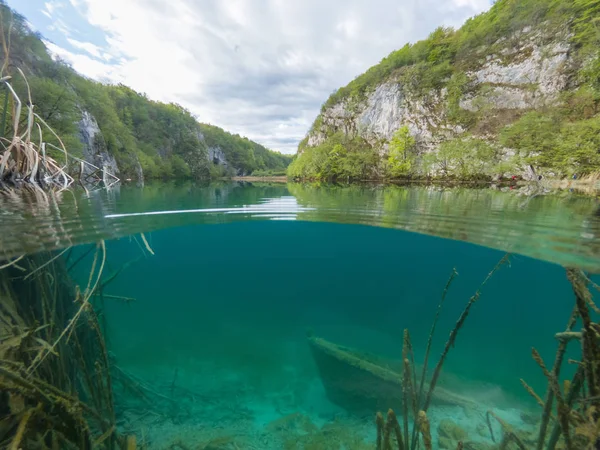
pixel 242 273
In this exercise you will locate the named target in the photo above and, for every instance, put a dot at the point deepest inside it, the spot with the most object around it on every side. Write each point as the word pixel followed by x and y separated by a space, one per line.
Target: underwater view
pixel 273 316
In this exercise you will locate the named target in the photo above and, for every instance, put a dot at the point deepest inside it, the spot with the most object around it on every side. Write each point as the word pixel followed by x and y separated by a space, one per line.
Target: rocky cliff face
pixel 515 78
pixel 96 154
pixel 537 73
pixel 217 156
pixel 94 149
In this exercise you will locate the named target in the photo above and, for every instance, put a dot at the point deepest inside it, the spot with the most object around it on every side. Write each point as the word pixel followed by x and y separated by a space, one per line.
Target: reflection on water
pixel 558 227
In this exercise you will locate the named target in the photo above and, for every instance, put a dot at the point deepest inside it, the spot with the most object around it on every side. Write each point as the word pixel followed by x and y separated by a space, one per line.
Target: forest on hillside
pixel 165 140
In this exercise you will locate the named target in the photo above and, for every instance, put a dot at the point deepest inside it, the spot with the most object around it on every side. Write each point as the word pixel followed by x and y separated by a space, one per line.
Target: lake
pixel 272 316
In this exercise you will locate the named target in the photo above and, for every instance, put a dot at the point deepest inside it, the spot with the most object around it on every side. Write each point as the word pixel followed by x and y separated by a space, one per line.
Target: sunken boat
pixel 363 383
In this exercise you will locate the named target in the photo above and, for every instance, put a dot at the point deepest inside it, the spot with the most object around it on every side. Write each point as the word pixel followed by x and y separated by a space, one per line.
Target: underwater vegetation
pixel 576 421
pixel 55 375
pixel 61 387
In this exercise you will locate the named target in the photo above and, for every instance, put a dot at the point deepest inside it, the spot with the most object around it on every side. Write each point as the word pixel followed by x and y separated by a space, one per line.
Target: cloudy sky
pixel 260 68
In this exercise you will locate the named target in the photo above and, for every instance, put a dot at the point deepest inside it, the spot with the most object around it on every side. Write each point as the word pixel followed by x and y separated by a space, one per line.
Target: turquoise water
pixel 221 312
pixel 211 291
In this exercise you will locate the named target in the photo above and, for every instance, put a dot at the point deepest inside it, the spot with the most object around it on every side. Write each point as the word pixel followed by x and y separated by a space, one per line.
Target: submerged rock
pixel 449 434
pixel 450 430
pixel 482 430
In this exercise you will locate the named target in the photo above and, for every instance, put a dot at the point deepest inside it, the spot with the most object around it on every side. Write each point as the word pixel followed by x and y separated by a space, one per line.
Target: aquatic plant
pixel 56 374
pixel 54 367
pixel 577 405
pixel 416 402
pixel 575 421
pixel 22 159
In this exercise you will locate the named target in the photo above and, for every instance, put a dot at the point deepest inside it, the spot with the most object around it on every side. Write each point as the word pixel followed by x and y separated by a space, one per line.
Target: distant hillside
pixel 241 153
pixel 514 91
pixel 117 128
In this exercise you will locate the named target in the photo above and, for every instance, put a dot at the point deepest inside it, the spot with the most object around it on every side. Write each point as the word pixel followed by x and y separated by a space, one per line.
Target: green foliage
pixel 220 171
pixel 242 153
pixel 401 155
pixel 27 50
pixel 338 158
pixel 180 168
pixel 270 173
pixel 56 105
pixel 583 103
pixel 531 135
pixel 546 139
pixel 165 140
pixel 578 147
pixel 587 22
pixel 457 87
pixel 466 158
pixel 553 145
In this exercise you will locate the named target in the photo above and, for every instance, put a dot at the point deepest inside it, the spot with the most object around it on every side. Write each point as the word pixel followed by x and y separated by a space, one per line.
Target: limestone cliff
pixel 94 149
pixel 457 87
pixel 528 76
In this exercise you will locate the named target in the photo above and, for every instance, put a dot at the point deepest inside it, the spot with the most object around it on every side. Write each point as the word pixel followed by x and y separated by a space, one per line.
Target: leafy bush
pixel 466 158
pixel 338 157
pixel 552 145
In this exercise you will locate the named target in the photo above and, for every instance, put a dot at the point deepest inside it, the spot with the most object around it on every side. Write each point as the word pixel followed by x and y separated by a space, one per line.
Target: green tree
pixel 533 136
pixel 180 168
pixel 401 154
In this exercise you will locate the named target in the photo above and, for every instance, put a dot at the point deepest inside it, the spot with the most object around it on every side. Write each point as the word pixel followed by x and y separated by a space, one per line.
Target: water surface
pixel 560 227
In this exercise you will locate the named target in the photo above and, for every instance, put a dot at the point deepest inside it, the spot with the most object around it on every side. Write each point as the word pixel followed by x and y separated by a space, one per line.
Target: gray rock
pixel 94 148
pixel 216 156
pixel 530 70
pixel 449 430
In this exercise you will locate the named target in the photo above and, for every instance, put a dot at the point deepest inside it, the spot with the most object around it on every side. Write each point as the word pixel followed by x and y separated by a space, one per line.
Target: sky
pixel 259 68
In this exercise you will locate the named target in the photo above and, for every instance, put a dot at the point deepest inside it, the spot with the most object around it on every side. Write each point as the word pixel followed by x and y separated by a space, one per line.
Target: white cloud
pixel 88 47
pixel 260 68
pixel 61 26
pixel 86 65
pixel 51 6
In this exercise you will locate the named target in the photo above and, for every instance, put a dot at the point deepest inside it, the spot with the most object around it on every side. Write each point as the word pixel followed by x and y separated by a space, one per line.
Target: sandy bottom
pixel 206 407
